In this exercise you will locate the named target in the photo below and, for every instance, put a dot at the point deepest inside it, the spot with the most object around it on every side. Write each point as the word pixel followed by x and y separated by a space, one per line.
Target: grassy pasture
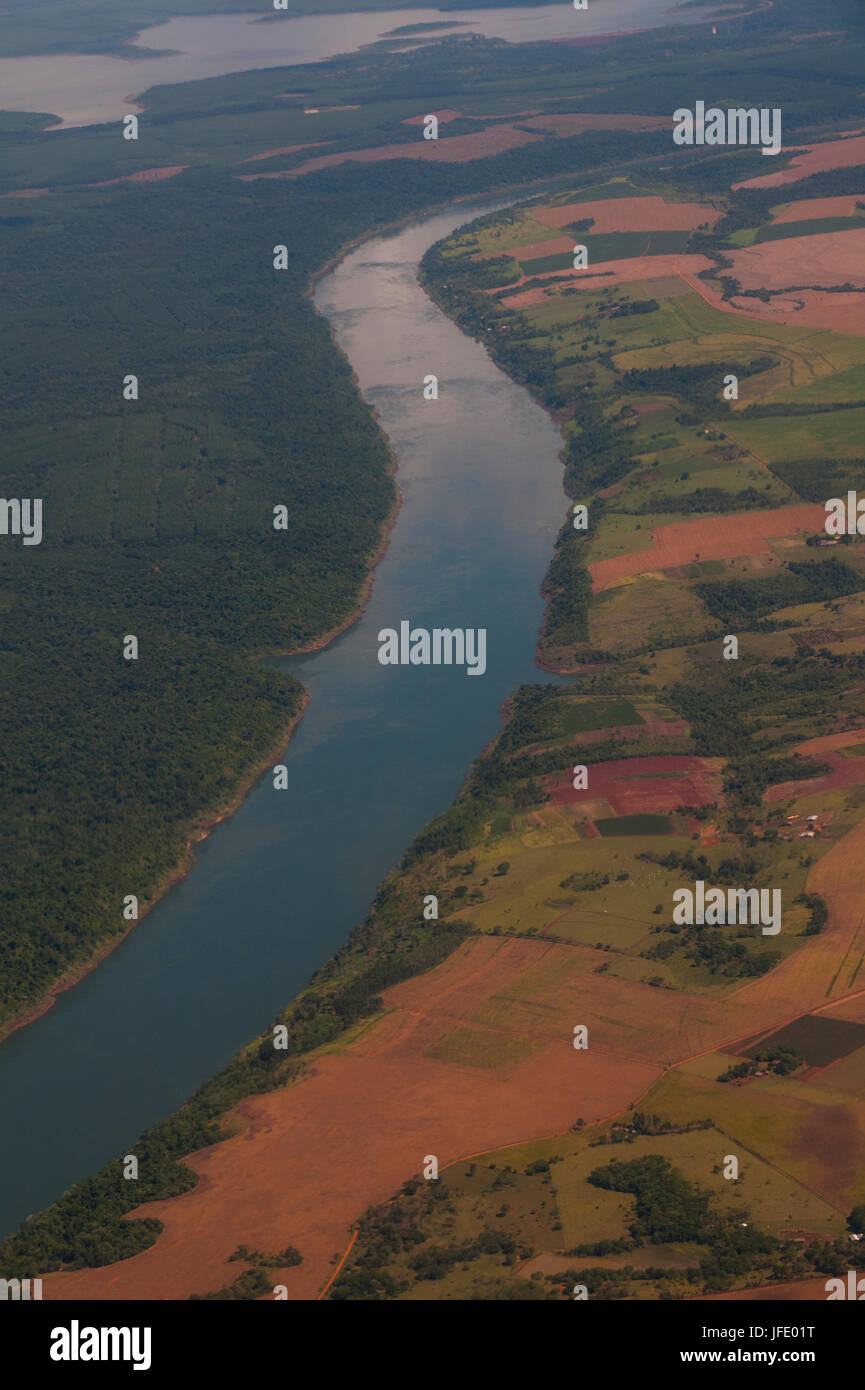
pixel 530 899
pixel 641 824
pixel 772 1118
pixel 648 610
pixel 778 231
pixel 826 434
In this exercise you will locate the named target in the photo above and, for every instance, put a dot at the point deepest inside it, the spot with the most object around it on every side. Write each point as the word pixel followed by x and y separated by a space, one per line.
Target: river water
pixel 379 751
pixel 83 89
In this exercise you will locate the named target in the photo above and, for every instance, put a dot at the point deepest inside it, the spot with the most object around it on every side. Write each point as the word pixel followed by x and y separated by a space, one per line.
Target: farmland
pixel 520 1002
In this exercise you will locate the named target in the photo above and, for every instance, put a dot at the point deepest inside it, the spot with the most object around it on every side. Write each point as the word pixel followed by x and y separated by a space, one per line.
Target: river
pixel 380 750
pixel 84 89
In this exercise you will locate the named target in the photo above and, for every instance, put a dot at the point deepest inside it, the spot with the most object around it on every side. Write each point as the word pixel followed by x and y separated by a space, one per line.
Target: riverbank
pixel 198 831
pixel 204 822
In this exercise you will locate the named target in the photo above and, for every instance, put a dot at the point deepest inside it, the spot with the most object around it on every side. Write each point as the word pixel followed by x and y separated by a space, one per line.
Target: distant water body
pixel 86 89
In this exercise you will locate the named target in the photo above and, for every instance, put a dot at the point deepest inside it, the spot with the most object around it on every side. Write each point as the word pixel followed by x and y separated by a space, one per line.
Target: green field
pixel 777 231
pixel 644 824
pixel 820 1040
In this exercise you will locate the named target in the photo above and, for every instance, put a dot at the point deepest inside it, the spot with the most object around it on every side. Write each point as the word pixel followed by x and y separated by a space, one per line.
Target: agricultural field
pixel 533 1212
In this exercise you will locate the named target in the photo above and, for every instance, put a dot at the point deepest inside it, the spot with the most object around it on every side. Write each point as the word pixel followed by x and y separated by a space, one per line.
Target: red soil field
pixel 311 1158
pixel 456 149
pixel 846 772
pixel 840 312
pixel 651 728
pixel 812 1290
pixel 715 538
pixel 444 117
pixel 825 965
pixel 493 140
pixel 842 206
pixel 631 215
pixel 285 149
pixel 834 154
pixel 574 123
pixel 630 787
pixel 167 171
pixel 605 273
pixel 555 247
pixel 828 258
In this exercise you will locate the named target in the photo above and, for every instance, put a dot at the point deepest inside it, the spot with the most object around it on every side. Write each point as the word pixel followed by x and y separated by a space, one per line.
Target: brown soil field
pixel 457 149
pixel 824 965
pixel 285 149
pixel 834 154
pixel 574 123
pixel 715 538
pixel 168 171
pixel 643 1258
pixel 829 1140
pixel 842 206
pixel 650 728
pixel 828 258
pixel 812 1290
pixel 840 312
pixel 605 273
pixel 444 117
pixel 558 246
pixel 846 772
pixel 631 789
pixel 311 1158
pixel 852 1009
pixel 650 214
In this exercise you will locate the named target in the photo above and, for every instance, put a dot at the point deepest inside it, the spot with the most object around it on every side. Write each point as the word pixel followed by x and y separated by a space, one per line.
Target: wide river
pixel 379 751
pixel 83 89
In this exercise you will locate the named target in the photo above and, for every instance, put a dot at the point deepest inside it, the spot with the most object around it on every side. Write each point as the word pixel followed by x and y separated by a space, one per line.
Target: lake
pixel 86 89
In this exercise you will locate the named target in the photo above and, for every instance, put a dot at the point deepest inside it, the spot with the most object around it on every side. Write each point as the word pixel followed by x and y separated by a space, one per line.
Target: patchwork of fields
pixel 610 1092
